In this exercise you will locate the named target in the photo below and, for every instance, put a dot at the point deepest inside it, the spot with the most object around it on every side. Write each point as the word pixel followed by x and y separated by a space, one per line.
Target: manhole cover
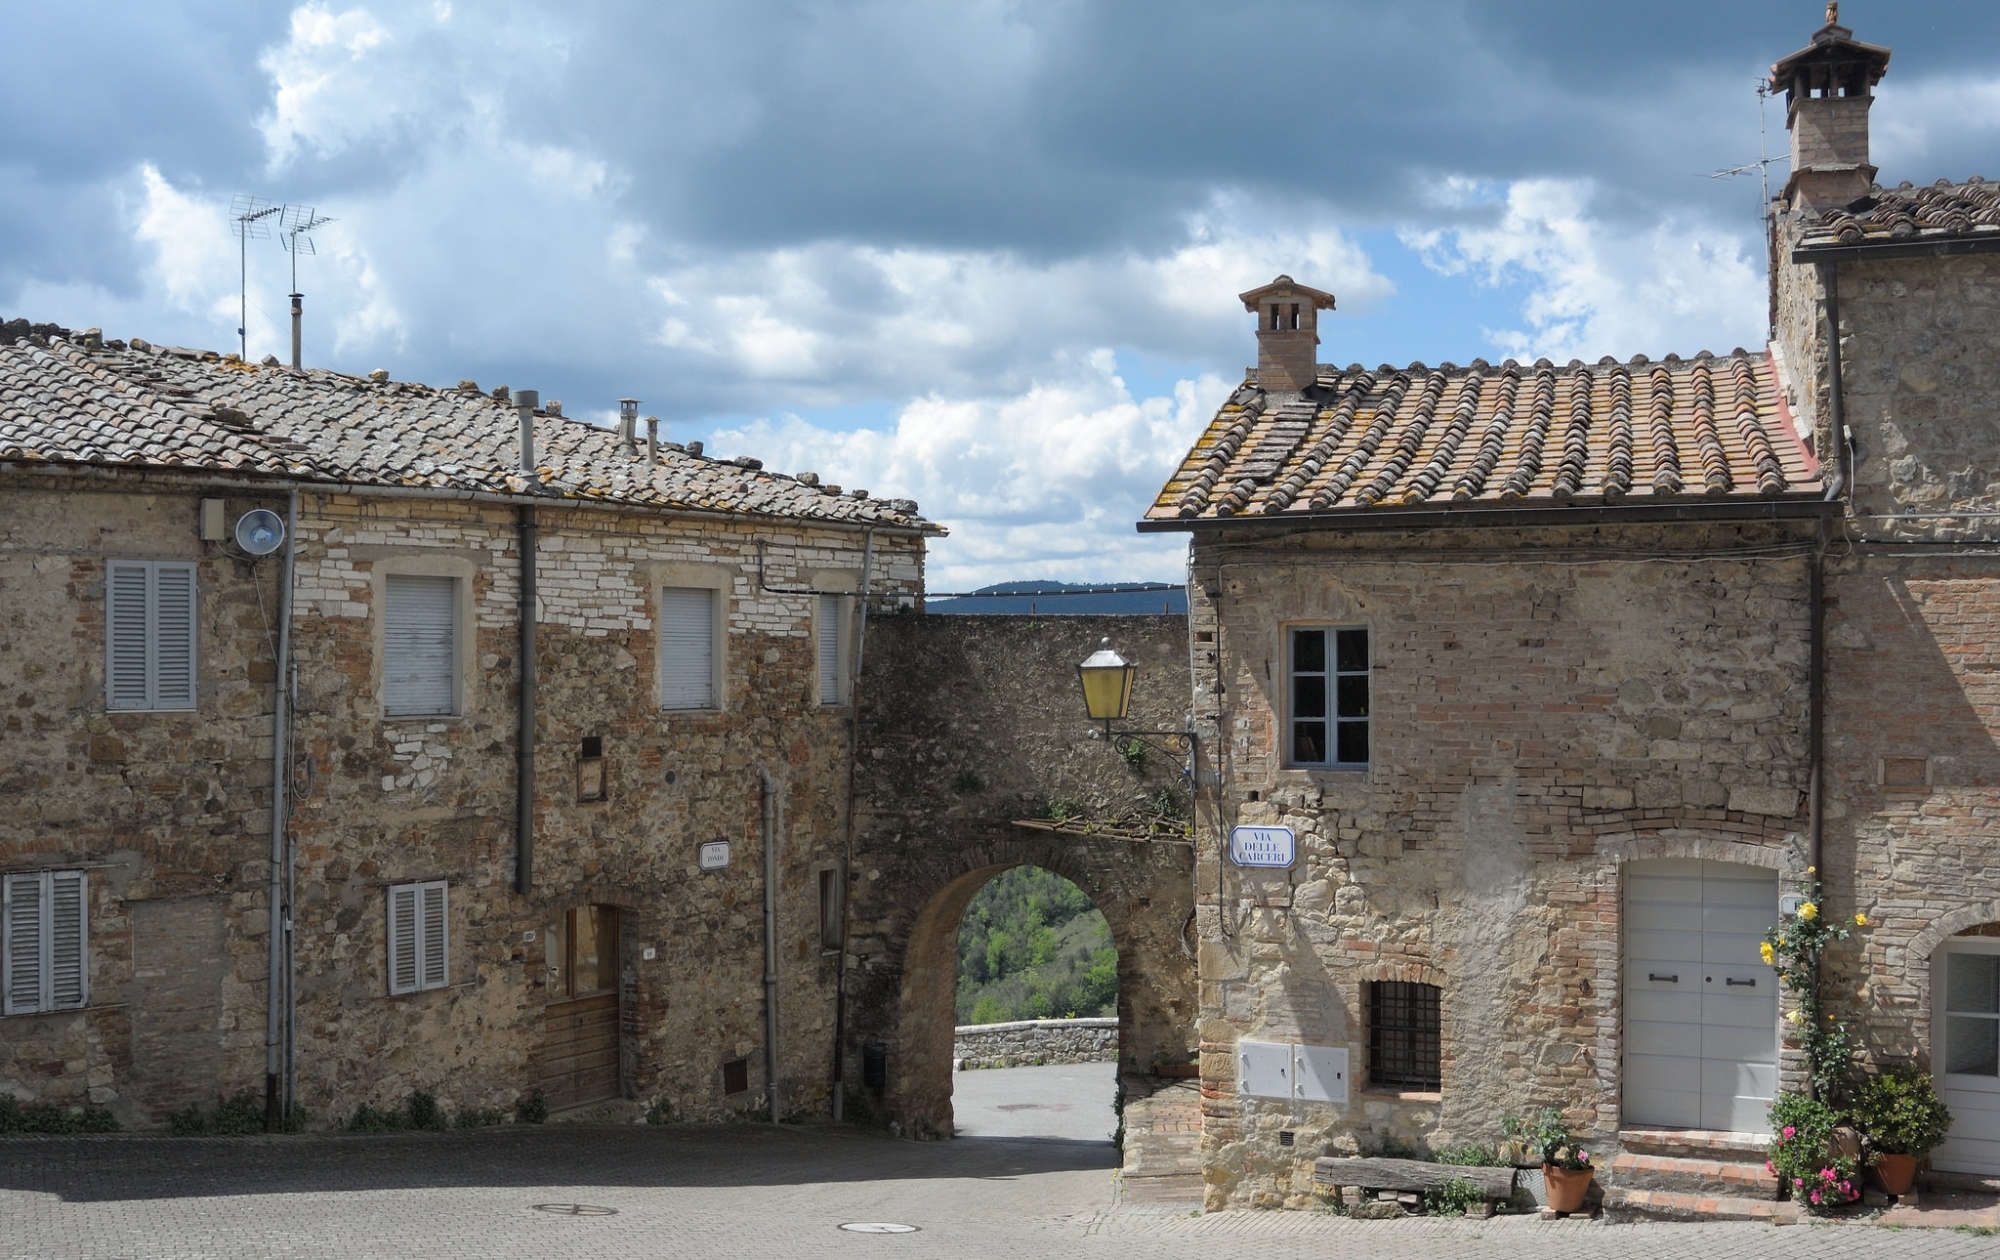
pixel 878 1227
pixel 575 1209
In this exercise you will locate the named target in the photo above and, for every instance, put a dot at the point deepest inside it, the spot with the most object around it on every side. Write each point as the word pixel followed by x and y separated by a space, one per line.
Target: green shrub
pixel 531 1108
pixel 1472 1155
pixel 661 1112
pixel 423 1112
pixel 1901 1112
pixel 479 1118
pixel 15 1117
pixel 1803 1156
pixel 367 1119
pixel 1454 1198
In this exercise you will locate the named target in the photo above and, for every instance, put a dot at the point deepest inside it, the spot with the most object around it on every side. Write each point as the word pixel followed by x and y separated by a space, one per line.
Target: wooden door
pixel 580 1027
pixel 1701 1007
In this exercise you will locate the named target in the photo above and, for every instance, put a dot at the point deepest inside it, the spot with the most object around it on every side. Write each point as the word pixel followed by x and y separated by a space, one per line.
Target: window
pixel 419 937
pixel 1403 1035
pixel 829 908
pixel 832 649
pixel 419 645
pixel 687 648
pixel 149 634
pixel 1326 674
pixel 43 937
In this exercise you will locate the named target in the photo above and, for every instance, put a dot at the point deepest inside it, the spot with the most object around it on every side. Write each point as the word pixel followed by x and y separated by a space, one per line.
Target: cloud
pixel 1044 483
pixel 1589 288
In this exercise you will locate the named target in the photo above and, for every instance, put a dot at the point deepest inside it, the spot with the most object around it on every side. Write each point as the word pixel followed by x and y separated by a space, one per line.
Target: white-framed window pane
pixel 1972 1044
pixel 1327 696
pixel 419 645
pixel 687 648
pixel 830 641
pixel 149 630
pixel 1972 983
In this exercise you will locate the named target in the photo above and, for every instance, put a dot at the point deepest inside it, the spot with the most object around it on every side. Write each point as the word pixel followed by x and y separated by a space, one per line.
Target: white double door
pixel 1701 1006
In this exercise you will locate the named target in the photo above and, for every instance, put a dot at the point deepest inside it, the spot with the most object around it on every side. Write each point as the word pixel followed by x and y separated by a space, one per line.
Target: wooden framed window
pixel 1403 1035
pixel 687 647
pixel 419 645
pixel 419 937
pixel 44 939
pixel 1326 692
pixel 832 639
pixel 149 639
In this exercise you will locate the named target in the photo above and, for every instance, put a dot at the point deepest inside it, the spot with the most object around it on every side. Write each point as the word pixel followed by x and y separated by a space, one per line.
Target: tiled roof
pixel 1936 212
pixel 87 401
pixel 1372 441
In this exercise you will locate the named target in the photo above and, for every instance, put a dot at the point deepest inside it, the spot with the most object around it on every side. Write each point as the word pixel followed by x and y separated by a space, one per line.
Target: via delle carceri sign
pixel 1262 846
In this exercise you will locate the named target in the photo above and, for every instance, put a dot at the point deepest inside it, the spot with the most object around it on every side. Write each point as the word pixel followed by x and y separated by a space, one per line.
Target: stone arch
pixel 1916 968
pixel 1619 848
pixel 904 1002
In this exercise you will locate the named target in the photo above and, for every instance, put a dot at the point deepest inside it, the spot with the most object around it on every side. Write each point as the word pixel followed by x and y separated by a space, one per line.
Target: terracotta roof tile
pixel 1941 211
pixel 1375 441
pixel 109 403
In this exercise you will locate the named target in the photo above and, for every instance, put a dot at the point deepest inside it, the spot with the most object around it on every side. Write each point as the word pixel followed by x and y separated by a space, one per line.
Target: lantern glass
pixel 1107 684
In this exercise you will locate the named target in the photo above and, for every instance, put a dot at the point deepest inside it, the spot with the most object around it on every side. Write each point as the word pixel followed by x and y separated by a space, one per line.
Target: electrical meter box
pixel 1264 1069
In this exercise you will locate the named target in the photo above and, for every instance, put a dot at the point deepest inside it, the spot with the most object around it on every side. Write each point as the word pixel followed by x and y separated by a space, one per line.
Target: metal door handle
pixel 1733 980
pixel 1664 979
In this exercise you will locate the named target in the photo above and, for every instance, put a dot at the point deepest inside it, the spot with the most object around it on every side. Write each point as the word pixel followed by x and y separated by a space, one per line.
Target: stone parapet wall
pixel 1034 1042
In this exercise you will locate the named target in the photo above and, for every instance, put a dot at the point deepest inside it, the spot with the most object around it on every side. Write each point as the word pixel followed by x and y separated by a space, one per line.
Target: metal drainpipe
pixel 525 402
pixel 847 836
pixel 768 791
pixel 278 981
pixel 1843 455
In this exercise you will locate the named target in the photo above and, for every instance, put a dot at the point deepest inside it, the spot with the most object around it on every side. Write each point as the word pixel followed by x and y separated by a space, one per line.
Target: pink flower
pixel 1769 1167
pixel 1798 1183
pixel 1846 1190
pixel 1815 1196
pixel 1826 1174
pixel 1583 1157
pixel 1789 1132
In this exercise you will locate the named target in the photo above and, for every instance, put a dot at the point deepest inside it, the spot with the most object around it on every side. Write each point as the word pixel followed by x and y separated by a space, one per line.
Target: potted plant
pixel 1810 1157
pixel 1566 1168
pixel 1904 1119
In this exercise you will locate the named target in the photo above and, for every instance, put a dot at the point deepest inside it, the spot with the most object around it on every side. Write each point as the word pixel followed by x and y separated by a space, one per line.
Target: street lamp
pixel 1107 684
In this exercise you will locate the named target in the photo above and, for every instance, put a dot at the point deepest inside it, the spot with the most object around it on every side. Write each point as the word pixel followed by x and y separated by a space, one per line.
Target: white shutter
pixel 403 938
pixel 419 644
pixel 434 936
pixel 687 648
pixel 21 938
pixel 830 638
pixel 173 636
pixel 68 977
pixel 128 634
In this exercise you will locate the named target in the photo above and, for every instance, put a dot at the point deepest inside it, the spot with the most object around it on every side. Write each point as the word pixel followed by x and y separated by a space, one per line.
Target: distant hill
pixel 1047 598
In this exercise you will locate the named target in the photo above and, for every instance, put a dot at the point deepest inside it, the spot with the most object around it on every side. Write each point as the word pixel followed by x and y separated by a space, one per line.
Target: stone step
pixel 1630 1171
pixel 1696 1144
pixel 1667 1205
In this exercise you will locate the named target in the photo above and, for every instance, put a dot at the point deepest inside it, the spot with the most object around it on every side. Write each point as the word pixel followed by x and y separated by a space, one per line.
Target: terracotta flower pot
pixel 1567 1187
pixel 1896 1172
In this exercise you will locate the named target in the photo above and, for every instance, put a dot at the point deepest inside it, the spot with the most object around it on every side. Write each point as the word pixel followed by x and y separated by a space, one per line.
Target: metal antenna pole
pixel 250 214
pixel 296 222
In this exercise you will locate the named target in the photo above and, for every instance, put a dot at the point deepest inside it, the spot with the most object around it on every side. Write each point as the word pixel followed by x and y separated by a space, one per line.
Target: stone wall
pixel 968 725
pixel 170 812
pixel 1545 707
pixel 1034 1042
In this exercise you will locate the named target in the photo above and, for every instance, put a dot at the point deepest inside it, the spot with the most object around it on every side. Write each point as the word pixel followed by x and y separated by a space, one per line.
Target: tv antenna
pixel 1763 163
pixel 296 222
pixel 252 216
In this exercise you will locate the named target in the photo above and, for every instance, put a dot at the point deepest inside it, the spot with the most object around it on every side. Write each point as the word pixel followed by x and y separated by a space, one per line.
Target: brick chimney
pixel 1287 333
pixel 1829 85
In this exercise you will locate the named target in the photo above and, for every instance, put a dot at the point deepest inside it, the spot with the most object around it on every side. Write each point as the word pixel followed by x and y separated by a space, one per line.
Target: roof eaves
pixel 1787 507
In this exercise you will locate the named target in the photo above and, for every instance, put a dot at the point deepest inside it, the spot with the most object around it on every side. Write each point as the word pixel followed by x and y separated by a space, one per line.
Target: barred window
pixel 1403 1035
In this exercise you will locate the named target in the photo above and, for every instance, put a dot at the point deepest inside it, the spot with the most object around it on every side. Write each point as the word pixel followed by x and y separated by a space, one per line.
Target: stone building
pixel 592 910
pixel 1560 674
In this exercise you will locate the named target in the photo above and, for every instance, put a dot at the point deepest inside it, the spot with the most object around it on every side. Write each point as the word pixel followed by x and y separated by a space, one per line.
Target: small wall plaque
pixel 1262 846
pixel 714 855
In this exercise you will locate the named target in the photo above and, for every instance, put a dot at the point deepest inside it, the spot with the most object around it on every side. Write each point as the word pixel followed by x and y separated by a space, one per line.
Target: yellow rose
pixel 1809 912
pixel 1781 941
pixel 1860 920
pixel 1812 870
pixel 1795 1017
pixel 1765 949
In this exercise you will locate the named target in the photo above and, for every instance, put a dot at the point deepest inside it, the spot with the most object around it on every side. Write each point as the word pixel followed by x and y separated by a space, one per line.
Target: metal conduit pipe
pixel 847 834
pixel 527 541
pixel 278 979
pixel 768 819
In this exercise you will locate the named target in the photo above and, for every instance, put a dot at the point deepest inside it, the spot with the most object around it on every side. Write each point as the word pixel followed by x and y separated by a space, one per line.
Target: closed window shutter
pixel 829 649
pixel 22 937
pixel 128 635
pixel 434 936
pixel 68 982
pixel 687 648
pixel 403 938
pixel 173 636
pixel 419 641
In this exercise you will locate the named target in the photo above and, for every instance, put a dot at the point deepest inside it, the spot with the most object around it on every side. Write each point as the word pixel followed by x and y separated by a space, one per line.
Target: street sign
pixel 714 855
pixel 1262 846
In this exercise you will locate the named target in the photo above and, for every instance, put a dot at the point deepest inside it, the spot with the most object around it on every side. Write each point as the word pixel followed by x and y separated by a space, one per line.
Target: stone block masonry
pixel 1034 1042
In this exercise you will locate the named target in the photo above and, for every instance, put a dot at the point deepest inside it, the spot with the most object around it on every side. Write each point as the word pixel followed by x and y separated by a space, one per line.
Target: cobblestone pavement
pixel 743 1192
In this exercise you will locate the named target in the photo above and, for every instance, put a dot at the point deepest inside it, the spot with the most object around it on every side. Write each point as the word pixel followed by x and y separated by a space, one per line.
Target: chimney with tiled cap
pixel 1287 333
pixel 1829 86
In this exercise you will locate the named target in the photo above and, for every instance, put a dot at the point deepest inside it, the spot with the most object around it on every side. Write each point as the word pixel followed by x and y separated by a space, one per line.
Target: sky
pixel 978 253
